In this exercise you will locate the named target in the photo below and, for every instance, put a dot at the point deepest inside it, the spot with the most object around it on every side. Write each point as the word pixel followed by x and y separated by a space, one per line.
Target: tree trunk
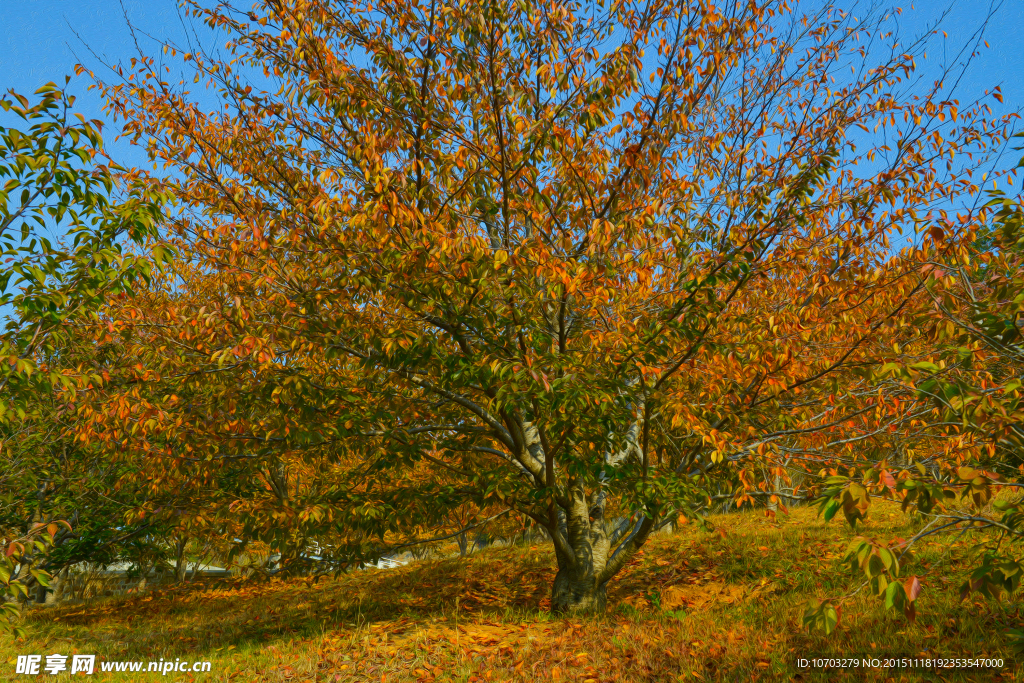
pixel 180 561
pixel 776 487
pixel 578 590
pixel 589 554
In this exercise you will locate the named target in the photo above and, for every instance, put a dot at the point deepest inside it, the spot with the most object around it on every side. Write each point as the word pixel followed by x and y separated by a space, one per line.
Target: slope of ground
pixel 722 606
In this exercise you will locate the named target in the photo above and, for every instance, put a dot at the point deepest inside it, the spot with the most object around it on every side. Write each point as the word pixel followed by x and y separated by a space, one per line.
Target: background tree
pixel 50 474
pixel 65 213
pixel 570 260
pixel 970 384
pixel 955 458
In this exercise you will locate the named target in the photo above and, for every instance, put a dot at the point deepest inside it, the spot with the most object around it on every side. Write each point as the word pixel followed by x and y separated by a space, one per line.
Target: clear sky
pixel 38 43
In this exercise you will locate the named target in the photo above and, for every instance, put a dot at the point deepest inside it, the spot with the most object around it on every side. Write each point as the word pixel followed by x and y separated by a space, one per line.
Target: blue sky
pixel 38 43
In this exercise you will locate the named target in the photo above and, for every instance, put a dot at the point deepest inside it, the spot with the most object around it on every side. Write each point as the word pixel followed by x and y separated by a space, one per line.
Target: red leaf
pixel 912 587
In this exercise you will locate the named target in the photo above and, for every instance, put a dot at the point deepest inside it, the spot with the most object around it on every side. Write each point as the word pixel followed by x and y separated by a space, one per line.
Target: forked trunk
pixel 589 555
pixel 578 591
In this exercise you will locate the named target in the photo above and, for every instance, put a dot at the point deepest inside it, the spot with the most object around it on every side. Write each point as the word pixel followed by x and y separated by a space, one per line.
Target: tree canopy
pixel 594 265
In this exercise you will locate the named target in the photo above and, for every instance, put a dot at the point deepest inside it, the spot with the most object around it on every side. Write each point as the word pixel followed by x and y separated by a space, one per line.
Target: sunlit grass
pixel 694 606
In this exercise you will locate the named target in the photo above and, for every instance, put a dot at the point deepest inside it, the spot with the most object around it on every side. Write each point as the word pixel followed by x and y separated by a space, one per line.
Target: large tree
pixel 575 260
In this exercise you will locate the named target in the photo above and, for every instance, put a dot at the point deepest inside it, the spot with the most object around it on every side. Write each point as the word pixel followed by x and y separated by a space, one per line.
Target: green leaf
pixel 821 616
pixel 894 595
pixel 831 509
pixel 42 577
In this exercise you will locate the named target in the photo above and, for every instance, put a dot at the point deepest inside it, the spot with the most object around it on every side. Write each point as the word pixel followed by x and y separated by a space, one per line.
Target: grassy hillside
pixel 694 606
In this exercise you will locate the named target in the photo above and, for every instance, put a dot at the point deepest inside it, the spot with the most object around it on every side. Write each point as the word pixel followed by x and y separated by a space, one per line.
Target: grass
pixel 693 606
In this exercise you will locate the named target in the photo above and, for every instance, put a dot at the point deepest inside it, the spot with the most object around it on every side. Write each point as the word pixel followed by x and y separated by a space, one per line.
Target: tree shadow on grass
pixel 189 622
